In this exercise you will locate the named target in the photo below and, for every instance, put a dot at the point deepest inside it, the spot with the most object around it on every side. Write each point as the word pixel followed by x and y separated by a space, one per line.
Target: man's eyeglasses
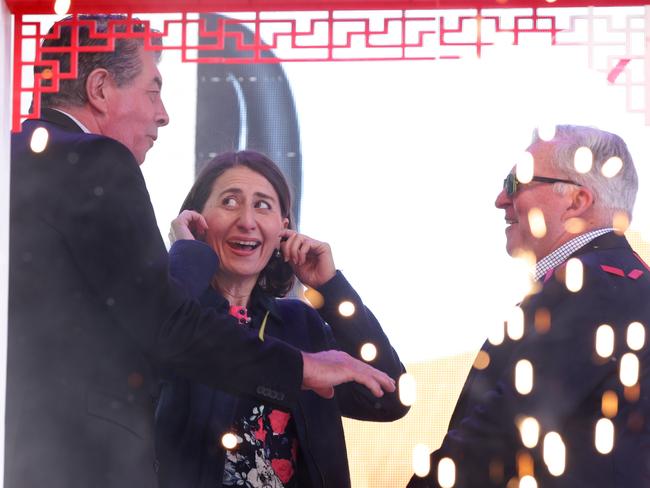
pixel 511 183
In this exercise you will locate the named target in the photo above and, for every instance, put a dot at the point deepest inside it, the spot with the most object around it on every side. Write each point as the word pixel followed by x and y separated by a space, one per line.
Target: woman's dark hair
pixel 277 277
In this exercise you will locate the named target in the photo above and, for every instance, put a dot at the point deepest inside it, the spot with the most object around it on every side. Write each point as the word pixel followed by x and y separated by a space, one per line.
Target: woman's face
pixel 244 222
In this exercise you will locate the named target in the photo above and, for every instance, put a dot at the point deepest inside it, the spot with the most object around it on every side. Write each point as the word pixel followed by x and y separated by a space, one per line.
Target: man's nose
pixel 162 118
pixel 503 199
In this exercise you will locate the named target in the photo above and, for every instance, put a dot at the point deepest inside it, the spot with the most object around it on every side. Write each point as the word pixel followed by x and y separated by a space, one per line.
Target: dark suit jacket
pixel 569 382
pixel 192 418
pixel 92 312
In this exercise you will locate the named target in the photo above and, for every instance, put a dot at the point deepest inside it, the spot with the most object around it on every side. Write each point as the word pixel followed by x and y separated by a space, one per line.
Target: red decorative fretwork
pixel 612 41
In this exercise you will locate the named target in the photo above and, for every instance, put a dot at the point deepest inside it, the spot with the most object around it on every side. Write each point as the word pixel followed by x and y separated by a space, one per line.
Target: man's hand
pixel 322 371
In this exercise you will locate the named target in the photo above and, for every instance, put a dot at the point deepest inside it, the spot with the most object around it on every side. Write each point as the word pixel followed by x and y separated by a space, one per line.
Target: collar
pixel 74 119
pixel 260 303
pixel 58 117
pixel 562 253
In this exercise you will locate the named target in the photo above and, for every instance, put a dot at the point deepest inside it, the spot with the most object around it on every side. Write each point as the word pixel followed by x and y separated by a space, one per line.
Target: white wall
pixel 5 127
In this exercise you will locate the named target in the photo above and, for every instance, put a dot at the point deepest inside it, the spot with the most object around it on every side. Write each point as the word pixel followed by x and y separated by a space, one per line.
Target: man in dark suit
pixel 92 310
pixel 559 403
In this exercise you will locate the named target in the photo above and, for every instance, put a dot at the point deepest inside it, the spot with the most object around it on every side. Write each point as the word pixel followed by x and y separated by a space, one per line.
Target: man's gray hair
pixel 616 193
pixel 122 63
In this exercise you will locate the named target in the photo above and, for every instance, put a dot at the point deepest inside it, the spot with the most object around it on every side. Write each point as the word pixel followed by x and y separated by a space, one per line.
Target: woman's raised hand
pixel 188 225
pixel 311 260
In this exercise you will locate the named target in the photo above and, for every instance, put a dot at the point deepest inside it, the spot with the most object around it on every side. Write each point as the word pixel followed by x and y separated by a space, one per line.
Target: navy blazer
pixel 92 312
pixel 191 418
pixel 569 382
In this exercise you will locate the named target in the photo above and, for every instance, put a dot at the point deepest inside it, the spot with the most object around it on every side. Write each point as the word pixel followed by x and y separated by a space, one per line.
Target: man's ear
pixel 98 84
pixel 582 200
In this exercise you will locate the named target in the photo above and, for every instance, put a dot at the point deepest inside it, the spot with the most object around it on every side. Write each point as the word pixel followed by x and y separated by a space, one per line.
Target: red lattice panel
pixel 613 44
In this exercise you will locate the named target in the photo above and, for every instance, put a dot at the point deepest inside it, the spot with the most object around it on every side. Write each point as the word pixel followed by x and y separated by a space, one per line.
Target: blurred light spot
pixel 515 323
pixel 574 275
pixel 635 336
pixel 407 387
pixel 135 380
pixel 61 7
pixel 542 320
pixel 314 298
pixel 529 431
pixel 421 460
pixel 620 222
pixel 46 74
pixel 525 464
pixel 368 352
pixel 604 437
pixel 583 160
pixel 513 482
pixel 611 167
pixel 482 360
pixel 636 421
pixel 632 393
pixel 554 453
pixel 575 225
pixel 346 308
pixel 524 376
pixel 496 471
pixel 528 482
pixel 38 142
pixel 629 372
pixel 609 404
pixel 229 440
pixel 536 222
pixel 604 341
pixel 551 1
pixel 446 472
pixel 496 334
pixel 546 131
pixel 525 169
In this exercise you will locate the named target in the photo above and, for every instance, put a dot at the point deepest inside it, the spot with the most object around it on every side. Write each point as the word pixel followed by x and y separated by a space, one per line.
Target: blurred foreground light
pixel 229 440
pixel 536 222
pixel 554 453
pixel 635 336
pixel 529 431
pixel 542 320
pixel 61 7
pixel 604 436
pixel 515 324
pixel 314 297
pixel 407 387
pixel 583 160
pixel 421 460
pixel 496 334
pixel 482 360
pixel 629 372
pixel 528 482
pixel 574 275
pixel 611 167
pixel 368 352
pixel 620 222
pixel 575 225
pixel 446 472
pixel 604 341
pixel 525 464
pixel 525 169
pixel 609 404
pixel 524 376
pixel 39 139
pixel 546 131
pixel 346 308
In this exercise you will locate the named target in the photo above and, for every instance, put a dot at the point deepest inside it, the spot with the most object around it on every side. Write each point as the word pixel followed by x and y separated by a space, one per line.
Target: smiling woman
pixel 240 207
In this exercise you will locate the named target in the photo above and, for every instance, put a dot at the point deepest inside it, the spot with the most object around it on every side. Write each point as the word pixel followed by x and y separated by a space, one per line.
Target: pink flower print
pixel 279 421
pixel 282 468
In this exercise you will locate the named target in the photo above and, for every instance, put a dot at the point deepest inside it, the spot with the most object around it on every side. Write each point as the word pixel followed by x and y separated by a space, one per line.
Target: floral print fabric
pixel 266 451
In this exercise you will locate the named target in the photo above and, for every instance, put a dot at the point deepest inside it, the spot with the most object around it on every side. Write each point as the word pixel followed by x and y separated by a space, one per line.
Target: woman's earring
pixel 277 254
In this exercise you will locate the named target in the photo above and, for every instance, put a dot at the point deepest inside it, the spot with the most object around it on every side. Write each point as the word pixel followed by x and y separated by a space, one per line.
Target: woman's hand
pixel 311 260
pixel 188 225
